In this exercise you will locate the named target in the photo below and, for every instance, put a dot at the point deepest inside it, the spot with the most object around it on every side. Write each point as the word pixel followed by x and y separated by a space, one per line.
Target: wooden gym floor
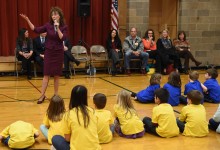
pixel 18 98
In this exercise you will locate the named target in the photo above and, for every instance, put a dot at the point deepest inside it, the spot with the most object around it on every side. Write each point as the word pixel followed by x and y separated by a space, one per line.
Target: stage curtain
pixel 94 27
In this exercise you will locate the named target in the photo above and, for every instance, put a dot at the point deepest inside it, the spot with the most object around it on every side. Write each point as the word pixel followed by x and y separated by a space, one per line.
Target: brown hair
pixel 194 75
pixel 124 101
pixel 174 79
pixel 155 79
pixel 60 12
pixel 212 72
pixel 195 96
pixel 99 100
pixel 182 32
pixel 146 34
pixel 56 109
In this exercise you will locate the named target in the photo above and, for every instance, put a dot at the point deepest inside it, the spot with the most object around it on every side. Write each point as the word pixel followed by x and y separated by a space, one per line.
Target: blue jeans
pixel 213 125
pixel 181 125
pixel 44 130
pixel 60 143
pixel 143 56
pixel 5 141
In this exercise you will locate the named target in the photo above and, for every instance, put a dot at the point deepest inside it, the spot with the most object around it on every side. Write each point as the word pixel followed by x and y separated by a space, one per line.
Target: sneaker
pixel 143 71
pixel 128 72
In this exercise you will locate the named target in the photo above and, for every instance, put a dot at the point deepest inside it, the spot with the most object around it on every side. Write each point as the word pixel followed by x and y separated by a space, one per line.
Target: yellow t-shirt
pixel 55 128
pixel 129 123
pixel 195 118
pixel 21 134
pixel 163 115
pixel 104 121
pixel 81 138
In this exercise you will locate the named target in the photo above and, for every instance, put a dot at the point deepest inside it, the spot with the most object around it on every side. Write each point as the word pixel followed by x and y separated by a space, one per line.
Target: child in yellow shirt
pixel 163 122
pixel 192 119
pixel 127 123
pixel 19 135
pixel 79 124
pixel 52 120
pixel 105 119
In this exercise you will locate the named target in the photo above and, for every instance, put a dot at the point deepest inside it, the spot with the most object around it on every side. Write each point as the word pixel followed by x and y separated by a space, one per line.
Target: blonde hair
pixel 124 101
pixel 166 30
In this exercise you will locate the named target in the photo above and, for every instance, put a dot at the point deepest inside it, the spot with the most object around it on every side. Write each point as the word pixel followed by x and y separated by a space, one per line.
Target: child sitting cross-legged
pixel 127 122
pixel 163 122
pixel 19 135
pixel 193 84
pixel 105 120
pixel 53 118
pixel 192 119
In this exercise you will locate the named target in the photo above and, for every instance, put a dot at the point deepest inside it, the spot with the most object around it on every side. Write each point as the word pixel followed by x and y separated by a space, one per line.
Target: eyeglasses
pixel 150 33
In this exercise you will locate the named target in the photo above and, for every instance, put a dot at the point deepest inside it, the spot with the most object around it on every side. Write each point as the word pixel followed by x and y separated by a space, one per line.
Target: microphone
pixel 55 26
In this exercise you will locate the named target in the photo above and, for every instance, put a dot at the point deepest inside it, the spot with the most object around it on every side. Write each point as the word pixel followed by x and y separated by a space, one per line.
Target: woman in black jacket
pixel 114 48
pixel 167 53
pixel 24 46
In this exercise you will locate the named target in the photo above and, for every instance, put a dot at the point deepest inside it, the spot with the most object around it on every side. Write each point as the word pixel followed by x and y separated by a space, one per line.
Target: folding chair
pixel 79 53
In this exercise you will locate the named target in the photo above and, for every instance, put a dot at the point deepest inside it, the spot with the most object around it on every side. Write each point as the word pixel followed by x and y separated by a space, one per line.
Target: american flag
pixel 114 14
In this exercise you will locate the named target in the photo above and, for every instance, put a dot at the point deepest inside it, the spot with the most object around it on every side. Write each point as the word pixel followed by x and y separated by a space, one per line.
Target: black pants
pixel 26 64
pixel 67 58
pixel 115 57
pixel 169 56
pixel 149 127
pixel 187 55
pixel 153 54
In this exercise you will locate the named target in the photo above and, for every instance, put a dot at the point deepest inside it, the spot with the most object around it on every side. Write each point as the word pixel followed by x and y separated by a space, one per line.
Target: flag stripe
pixel 114 14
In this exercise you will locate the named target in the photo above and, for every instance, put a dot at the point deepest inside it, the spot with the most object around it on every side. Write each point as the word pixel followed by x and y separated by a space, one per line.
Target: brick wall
pixel 199 18
pixel 138 15
pixel 201 21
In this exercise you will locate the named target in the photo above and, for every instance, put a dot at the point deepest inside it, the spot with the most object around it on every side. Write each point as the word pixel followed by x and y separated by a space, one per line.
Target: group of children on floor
pixel 82 127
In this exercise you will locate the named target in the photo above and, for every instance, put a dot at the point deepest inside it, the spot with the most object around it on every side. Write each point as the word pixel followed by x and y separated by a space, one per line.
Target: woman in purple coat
pixel 53 60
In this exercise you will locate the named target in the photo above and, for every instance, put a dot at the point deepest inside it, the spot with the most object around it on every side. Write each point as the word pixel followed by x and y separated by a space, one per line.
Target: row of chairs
pixel 97 55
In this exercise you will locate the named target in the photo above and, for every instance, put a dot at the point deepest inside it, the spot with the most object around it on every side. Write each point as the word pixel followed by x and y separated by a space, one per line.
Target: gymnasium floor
pixel 18 98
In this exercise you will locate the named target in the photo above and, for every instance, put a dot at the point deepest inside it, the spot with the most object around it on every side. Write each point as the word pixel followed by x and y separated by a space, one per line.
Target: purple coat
pixel 53 56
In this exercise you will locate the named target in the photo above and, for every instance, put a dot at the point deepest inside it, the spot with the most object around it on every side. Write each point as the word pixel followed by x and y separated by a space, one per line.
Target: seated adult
pixel 133 48
pixel 24 46
pixel 114 48
pixel 68 57
pixel 183 48
pixel 151 48
pixel 39 48
pixel 167 53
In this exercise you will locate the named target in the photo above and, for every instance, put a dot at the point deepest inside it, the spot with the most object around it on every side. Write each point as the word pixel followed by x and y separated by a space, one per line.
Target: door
pixel 163 15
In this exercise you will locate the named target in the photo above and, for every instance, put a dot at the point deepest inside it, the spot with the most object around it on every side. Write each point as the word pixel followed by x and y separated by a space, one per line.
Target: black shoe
pixel 29 77
pixel 113 73
pixel 198 63
pixel 77 62
pixel 133 94
pixel 41 99
pixel 67 76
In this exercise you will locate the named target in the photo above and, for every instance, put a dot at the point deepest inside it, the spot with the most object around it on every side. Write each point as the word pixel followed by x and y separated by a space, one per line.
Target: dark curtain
pixel 95 27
